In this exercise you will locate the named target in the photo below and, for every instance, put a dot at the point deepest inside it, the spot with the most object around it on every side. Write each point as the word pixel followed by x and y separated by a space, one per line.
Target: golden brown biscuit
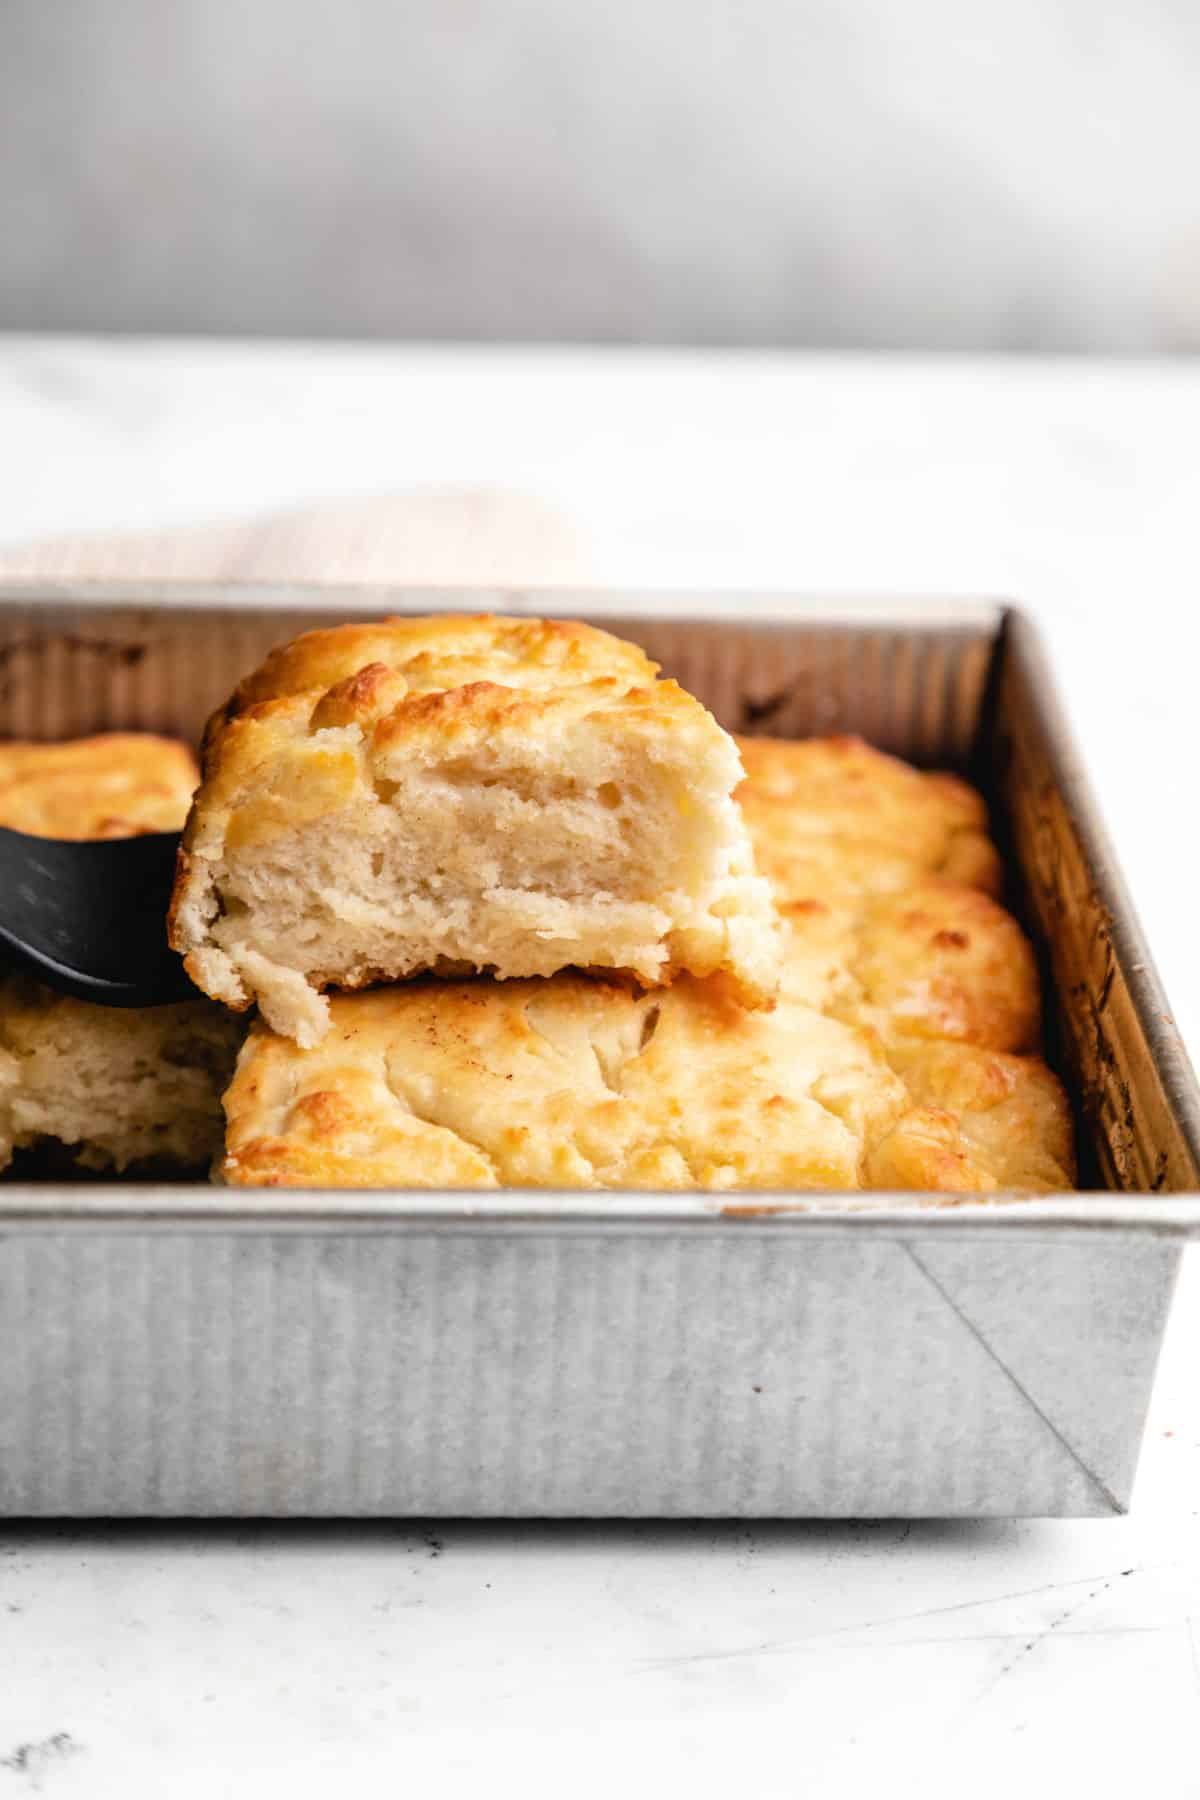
pixel 574 1083
pixel 112 786
pixel 942 961
pixel 831 817
pixel 512 795
pixel 932 961
pixel 983 1121
pixel 884 879
pixel 117 1086
pixel 566 1082
pixel 887 1063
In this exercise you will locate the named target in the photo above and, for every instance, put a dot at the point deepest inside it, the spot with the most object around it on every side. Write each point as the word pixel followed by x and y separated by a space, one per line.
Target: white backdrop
pixel 1000 174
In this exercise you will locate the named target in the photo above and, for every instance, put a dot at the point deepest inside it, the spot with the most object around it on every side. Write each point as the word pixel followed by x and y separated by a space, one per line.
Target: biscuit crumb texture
pixel 119 1088
pixel 901 1055
pixel 457 795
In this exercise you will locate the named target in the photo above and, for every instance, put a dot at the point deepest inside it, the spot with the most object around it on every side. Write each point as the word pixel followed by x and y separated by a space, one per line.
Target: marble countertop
pixel 810 1659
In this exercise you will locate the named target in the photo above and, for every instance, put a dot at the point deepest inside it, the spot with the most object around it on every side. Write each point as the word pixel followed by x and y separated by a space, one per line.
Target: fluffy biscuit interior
pixel 378 829
pixel 121 1088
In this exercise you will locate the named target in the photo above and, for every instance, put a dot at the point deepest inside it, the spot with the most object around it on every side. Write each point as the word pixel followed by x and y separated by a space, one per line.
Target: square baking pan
pixel 179 1349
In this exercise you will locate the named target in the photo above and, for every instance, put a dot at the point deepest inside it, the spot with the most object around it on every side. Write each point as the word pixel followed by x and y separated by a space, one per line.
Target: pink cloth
pixel 438 536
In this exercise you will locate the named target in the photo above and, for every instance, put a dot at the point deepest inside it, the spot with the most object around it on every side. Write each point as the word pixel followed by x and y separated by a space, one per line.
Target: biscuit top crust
pixel 117 785
pixel 566 1081
pixel 436 686
pixel 428 689
pixel 835 816
pixel 436 655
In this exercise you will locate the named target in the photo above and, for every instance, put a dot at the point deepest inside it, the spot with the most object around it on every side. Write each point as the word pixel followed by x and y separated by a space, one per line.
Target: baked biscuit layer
pixel 115 785
pixel 885 878
pixel 514 796
pixel 566 1082
pixel 898 1055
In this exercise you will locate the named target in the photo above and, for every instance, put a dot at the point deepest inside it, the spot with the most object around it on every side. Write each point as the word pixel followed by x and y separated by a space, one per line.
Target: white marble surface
pixel 783 1660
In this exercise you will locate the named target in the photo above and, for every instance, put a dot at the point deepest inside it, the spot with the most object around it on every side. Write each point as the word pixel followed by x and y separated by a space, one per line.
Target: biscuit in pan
pixel 567 1082
pixel 454 795
pixel 578 1083
pixel 934 961
pixel 884 879
pixel 833 816
pixel 118 1087
pixel 980 1121
pixel 115 785
pixel 892 1060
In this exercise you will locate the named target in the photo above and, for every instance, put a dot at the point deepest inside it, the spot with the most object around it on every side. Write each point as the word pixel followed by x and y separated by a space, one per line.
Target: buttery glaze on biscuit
pixel 457 794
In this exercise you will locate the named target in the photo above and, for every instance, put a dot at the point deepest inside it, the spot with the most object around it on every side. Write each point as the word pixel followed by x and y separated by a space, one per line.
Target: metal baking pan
pixel 178 1349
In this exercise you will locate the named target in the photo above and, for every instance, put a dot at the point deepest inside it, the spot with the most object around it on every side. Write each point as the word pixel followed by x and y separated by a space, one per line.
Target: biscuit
pixel 453 794
pixel 119 1087
pixel 982 1121
pixel 933 961
pixel 897 1057
pixel 568 1082
pixel 112 786
pixel 885 878
pixel 578 1083
pixel 832 816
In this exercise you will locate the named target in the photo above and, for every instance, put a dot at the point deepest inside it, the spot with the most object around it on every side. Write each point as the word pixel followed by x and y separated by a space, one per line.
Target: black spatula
pixel 90 918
